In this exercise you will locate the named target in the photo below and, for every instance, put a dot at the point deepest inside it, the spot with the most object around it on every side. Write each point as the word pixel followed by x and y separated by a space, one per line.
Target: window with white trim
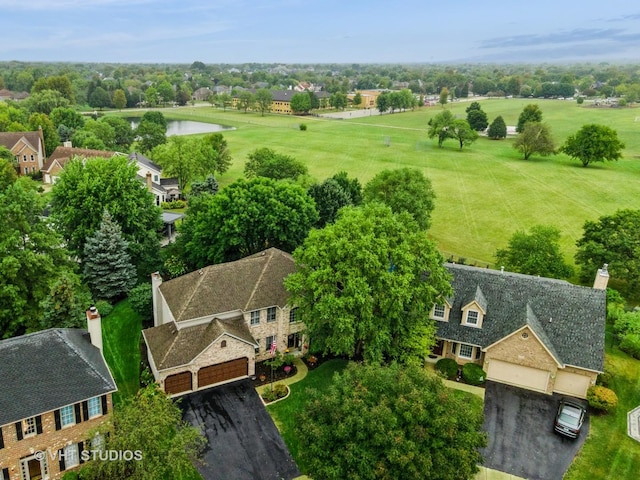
pixel 270 340
pixel 271 314
pixel 29 427
pixel 67 416
pixel 439 311
pixel 293 315
pixel 466 351
pixel 94 407
pixel 71 457
pixel 255 317
pixel 472 317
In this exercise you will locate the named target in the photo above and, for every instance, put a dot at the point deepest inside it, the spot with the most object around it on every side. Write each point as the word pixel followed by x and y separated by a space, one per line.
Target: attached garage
pixel 518 375
pixel 572 384
pixel 223 371
pixel 178 383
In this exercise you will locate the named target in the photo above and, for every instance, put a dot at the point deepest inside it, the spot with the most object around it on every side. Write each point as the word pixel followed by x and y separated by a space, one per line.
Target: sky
pixel 330 31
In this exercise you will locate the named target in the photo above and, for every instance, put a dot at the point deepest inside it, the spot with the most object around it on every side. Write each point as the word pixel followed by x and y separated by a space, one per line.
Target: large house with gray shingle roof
pixel 212 325
pixel 537 333
pixel 55 389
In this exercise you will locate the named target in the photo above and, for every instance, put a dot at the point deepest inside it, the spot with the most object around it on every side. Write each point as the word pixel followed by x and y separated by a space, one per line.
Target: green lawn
pixel 608 452
pixel 121 331
pixel 283 412
pixel 484 193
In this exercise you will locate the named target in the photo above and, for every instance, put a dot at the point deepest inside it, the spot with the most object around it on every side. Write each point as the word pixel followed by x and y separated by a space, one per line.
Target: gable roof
pixel 46 370
pixel 247 284
pixel 139 158
pixel 33 139
pixel 62 155
pixel 171 347
pixel 569 319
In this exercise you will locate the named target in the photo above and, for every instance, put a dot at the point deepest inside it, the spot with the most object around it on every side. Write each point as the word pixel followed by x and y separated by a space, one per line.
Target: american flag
pixel 272 351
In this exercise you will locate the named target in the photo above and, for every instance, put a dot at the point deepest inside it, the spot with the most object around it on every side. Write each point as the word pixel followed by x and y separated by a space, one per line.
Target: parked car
pixel 570 418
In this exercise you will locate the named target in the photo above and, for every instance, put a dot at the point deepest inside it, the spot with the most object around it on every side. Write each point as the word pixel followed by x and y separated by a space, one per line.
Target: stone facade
pixel 17 452
pixel 522 348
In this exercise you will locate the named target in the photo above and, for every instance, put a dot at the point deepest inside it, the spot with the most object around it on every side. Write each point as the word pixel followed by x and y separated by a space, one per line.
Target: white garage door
pixel 572 384
pixel 517 375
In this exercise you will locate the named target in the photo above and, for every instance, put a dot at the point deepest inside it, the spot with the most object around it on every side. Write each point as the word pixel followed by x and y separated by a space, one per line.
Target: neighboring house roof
pixel 62 155
pixel 10 139
pixel 170 217
pixel 46 370
pixel 145 161
pixel 285 95
pixel 247 284
pixel 569 319
pixel 171 347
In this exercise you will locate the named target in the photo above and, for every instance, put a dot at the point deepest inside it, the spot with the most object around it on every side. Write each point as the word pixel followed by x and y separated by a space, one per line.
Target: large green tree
pixel 245 218
pixel 300 103
pixel 8 174
pixel 214 155
pixel 66 304
pixel 49 131
pixel 366 283
pixel 246 101
pixel 150 135
pixel 123 133
pixel 594 143
pixel 530 113
pixel 31 258
pixel 329 197
pixel 107 266
pixel 150 426
pixel 536 252
pixel 535 137
pixel 179 158
pixel 614 240
pixel 404 190
pixel 441 126
pixel 463 133
pixel 119 99
pixel 476 117
pixel 86 188
pixel 265 162
pixel 376 422
pixel 497 129
pixel 263 99
pixel 350 185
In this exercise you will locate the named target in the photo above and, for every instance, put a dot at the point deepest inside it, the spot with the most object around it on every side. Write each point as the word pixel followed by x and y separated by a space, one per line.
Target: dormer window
pixel 440 311
pixel 473 317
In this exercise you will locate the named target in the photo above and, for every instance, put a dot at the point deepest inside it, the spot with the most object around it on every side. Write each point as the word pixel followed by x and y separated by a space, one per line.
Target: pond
pixel 186 127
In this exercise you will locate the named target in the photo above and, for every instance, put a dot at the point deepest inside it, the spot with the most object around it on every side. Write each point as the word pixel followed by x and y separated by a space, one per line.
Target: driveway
pixel 521 438
pixel 243 441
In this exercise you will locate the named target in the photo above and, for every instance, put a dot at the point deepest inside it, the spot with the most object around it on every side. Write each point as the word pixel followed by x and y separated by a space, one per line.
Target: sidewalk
pixel 300 374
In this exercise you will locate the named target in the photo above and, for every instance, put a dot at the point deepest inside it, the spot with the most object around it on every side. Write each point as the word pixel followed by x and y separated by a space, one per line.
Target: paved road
pixel 521 438
pixel 244 443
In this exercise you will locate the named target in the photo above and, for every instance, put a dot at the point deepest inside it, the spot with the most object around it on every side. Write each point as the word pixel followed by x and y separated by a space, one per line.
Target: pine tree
pixel 107 265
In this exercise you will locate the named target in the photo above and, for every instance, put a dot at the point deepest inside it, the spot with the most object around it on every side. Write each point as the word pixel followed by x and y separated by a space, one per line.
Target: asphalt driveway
pixel 521 438
pixel 244 443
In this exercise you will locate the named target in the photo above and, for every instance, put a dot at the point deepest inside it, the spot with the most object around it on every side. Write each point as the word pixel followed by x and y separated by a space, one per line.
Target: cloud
pixel 573 36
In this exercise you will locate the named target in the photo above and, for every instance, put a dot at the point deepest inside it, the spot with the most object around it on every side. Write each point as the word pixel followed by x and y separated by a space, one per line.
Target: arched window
pixel 223 344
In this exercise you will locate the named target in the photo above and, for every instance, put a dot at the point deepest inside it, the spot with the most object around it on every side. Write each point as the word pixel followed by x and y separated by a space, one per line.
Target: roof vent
pixel 502 269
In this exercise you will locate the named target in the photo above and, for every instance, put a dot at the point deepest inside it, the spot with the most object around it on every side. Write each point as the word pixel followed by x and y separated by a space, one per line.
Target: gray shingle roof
pixel 569 319
pixel 171 347
pixel 145 161
pixel 247 284
pixel 46 370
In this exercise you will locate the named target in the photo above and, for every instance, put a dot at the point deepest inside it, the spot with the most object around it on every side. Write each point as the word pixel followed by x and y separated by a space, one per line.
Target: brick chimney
pixel 156 281
pixel 94 325
pixel 149 187
pixel 602 278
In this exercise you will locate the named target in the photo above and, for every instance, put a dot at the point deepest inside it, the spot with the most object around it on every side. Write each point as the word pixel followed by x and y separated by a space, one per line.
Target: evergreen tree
pixel 66 304
pixel 107 265
pixel 497 129
pixel 476 117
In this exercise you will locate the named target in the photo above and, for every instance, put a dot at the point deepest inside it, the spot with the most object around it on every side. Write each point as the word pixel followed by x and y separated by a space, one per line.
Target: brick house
pixel 212 325
pixel 536 333
pixel 56 388
pixel 28 148
pixel 63 155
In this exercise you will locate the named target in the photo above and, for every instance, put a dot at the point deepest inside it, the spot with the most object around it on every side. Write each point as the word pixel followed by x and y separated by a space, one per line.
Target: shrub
pixel 630 344
pixel 627 323
pixel 288 359
pixel 278 391
pixel 473 374
pixel 70 476
pixel 604 379
pixel 447 367
pixel 601 398
pixel 141 299
pixel 303 126
pixel 580 100
pixel 104 308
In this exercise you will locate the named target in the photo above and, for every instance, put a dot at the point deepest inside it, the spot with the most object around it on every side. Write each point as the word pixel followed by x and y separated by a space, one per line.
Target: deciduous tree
pixel 49 131
pixel 338 100
pixel 179 158
pixel 119 99
pixel 614 240
pixel 441 126
pixel 476 117
pixel 444 96
pixel 265 162
pixel 462 131
pixel 245 218
pixel 594 143
pixel 530 113
pixel 246 100
pixel 404 190
pixel 351 186
pixel 389 422
pixel 66 304
pixel 497 129
pixel 214 155
pixel 366 283
pixel 300 103
pixel 535 137
pixel 264 98
pixel 329 197
pixel 536 252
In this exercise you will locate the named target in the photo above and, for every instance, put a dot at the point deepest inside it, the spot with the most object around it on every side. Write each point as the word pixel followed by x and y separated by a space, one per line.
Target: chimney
pixel 94 325
pixel 149 181
pixel 602 278
pixel 67 144
pixel 156 281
